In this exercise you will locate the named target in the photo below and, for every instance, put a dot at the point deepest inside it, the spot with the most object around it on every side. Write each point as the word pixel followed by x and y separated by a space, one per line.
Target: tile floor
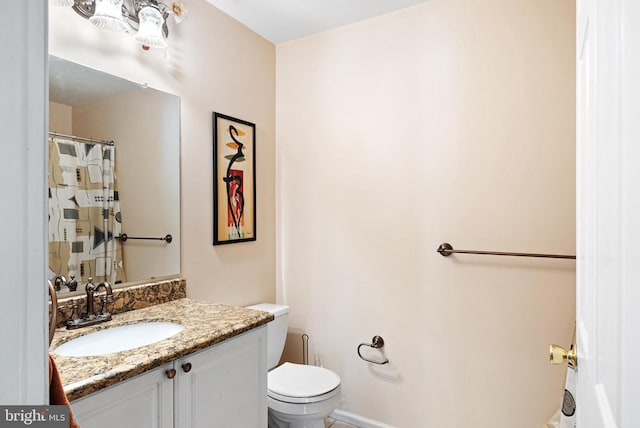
pixel 331 423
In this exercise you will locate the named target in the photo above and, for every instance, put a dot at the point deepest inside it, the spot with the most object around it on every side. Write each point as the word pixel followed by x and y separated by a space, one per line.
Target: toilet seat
pixel 297 383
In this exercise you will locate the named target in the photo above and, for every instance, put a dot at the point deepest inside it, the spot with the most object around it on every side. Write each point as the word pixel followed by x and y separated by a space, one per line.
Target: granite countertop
pixel 205 324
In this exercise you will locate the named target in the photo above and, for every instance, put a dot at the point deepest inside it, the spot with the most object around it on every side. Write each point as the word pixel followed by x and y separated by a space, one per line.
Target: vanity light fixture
pixel 147 18
pixel 61 3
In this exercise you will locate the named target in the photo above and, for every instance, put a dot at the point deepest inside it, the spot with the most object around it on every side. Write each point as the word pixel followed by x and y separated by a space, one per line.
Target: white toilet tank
pixel 276 330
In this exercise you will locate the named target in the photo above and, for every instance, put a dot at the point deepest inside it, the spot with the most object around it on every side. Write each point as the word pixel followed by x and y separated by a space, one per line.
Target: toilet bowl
pixel 301 396
pixel 298 396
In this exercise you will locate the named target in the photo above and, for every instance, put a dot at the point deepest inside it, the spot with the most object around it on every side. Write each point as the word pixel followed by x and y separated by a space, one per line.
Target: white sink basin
pixel 118 339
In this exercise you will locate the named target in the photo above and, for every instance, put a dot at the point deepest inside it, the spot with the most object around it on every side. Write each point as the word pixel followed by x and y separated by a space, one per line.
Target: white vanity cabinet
pixel 221 386
pixel 143 401
pixel 226 385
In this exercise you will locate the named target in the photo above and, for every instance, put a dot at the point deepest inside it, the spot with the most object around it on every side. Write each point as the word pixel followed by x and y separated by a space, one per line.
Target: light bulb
pixel 150 29
pixel 108 15
pixel 62 3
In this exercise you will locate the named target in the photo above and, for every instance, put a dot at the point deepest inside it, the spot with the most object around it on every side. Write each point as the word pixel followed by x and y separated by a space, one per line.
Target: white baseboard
pixel 357 420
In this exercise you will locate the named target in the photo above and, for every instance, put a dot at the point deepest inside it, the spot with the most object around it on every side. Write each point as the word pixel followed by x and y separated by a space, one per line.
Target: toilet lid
pixel 297 380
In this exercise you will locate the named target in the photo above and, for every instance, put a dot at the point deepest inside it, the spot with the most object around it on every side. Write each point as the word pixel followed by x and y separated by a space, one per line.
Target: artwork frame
pixel 234 180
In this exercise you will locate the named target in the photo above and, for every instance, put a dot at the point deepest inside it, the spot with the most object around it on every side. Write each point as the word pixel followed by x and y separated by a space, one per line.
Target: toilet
pixel 299 396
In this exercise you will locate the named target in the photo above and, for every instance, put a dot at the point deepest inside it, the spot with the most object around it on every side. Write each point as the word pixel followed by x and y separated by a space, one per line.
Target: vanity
pixel 211 373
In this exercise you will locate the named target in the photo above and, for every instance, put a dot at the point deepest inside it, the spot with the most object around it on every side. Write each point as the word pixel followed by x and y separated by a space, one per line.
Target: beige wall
pixel 452 121
pixel 213 64
pixel 60 118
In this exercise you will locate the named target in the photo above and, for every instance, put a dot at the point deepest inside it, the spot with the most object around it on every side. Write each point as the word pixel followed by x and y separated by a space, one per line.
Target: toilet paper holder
pixel 376 343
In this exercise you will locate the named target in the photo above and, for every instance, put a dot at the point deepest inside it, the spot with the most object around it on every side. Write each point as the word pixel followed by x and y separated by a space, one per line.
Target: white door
pixel 608 213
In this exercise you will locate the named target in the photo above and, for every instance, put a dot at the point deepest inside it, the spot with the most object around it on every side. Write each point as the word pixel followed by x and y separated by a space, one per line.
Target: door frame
pixel 24 123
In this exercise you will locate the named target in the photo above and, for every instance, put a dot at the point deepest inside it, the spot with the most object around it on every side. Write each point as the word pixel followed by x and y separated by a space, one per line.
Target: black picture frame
pixel 234 180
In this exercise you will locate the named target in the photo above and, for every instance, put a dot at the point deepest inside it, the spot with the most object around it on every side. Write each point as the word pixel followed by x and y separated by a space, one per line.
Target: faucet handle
pixel 72 284
pixel 89 286
pixel 74 311
pixel 107 298
pixel 69 312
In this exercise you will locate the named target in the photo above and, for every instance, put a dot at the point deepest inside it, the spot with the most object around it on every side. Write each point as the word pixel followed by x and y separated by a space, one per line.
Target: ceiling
pixel 74 85
pixel 280 21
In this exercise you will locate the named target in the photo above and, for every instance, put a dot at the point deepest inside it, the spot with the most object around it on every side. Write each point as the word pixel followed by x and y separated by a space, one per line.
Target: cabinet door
pixel 143 401
pixel 226 386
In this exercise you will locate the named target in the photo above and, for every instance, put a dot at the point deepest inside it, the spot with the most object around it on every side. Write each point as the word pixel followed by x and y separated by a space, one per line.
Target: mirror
pixel 90 209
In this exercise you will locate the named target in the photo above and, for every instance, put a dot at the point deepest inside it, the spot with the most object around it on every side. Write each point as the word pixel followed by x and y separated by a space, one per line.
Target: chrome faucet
pixel 91 317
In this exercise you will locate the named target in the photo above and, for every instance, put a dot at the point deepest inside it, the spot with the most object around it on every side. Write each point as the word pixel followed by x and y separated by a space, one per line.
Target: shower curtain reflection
pixel 84 212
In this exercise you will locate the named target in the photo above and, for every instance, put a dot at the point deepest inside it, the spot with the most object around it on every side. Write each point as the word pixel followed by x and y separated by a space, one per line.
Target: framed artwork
pixel 234 180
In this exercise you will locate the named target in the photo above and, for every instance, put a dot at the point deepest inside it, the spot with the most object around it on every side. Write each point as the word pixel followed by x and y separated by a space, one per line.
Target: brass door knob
pixel 186 367
pixel 171 373
pixel 559 355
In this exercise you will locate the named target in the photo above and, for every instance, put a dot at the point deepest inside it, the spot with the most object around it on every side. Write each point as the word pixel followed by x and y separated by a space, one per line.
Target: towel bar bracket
pixel 445 249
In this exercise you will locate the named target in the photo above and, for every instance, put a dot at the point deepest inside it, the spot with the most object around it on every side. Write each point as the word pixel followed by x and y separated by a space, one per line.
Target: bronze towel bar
pixel 124 238
pixel 446 250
